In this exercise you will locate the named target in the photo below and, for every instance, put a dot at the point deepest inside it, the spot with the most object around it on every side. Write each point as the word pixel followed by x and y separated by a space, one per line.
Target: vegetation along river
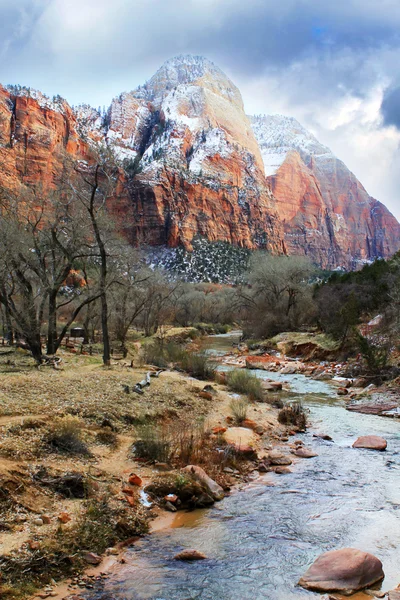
pixel 260 540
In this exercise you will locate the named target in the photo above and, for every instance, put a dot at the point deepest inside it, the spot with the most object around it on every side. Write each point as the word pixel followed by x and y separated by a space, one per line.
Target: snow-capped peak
pixel 277 135
pixel 186 69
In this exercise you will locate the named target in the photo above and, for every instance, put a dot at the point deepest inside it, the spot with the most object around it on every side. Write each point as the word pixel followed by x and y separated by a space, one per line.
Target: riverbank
pixel 110 422
pixel 47 488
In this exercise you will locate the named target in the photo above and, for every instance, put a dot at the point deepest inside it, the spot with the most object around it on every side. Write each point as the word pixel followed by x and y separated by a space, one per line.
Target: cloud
pixel 391 107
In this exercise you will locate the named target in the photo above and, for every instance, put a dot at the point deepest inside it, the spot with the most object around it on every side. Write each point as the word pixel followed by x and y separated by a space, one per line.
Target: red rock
pixel 64 517
pixel 218 430
pixel 128 491
pixel 130 500
pixel 173 498
pixel 346 571
pixel 249 424
pixel 189 555
pixel 46 519
pixel 279 459
pixel 206 395
pixel 135 479
pixel 371 442
pixel 342 391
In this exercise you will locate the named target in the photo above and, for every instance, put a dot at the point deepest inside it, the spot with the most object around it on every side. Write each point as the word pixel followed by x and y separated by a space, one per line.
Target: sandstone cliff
pixel 326 212
pixel 197 165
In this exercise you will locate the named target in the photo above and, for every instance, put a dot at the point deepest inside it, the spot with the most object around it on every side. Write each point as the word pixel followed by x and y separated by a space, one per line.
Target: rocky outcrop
pixel 326 212
pixel 196 165
pixel 345 571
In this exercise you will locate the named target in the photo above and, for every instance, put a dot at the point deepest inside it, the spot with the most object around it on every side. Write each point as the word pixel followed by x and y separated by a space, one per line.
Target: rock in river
pixel 345 571
pixel 304 452
pixel 201 476
pixel 190 555
pixel 371 442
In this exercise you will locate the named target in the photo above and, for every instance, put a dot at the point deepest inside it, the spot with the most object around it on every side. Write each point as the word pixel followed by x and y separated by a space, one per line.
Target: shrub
pixel 243 382
pixel 154 443
pixel 239 408
pixel 101 524
pixel 293 414
pixel 65 435
pixel 107 437
pixel 154 354
pixel 161 354
pixel 198 365
pixel 375 354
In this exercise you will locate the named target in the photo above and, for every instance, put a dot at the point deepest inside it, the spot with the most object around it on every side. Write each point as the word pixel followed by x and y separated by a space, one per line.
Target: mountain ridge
pixel 204 168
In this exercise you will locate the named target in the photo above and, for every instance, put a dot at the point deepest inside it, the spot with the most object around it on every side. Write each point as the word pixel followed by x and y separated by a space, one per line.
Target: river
pixel 260 540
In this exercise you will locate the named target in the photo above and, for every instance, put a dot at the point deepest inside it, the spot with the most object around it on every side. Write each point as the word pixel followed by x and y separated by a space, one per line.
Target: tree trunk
pixel 52 325
pixel 104 328
pixel 35 346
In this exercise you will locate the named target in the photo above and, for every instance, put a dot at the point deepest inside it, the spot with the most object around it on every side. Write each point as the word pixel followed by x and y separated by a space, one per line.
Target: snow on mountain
pixel 277 135
pixel 185 70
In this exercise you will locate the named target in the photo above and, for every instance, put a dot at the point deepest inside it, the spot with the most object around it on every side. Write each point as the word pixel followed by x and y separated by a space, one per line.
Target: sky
pixel 333 65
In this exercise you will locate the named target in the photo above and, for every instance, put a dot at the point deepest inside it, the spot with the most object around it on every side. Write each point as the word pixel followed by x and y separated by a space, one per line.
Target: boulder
pixel 135 479
pixel 346 571
pixel 282 470
pixel 242 440
pixel 260 362
pixel 279 459
pixel 289 370
pixel 342 391
pixel 189 555
pixel 92 558
pixel 201 476
pixel 304 452
pixel 249 424
pixel 371 442
pixel 323 436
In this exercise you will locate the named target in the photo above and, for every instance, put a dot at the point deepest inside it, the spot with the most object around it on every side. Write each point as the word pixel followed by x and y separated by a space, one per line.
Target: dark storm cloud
pixel 87 40
pixel 391 107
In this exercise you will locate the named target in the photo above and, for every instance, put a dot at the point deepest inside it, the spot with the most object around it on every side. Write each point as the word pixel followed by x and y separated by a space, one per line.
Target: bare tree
pixel 93 186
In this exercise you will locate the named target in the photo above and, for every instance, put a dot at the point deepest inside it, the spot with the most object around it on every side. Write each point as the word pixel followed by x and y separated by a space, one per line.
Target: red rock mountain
pixel 198 165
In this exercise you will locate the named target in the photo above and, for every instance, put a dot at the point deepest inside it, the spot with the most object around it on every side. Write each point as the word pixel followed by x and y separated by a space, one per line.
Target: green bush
pixel 244 382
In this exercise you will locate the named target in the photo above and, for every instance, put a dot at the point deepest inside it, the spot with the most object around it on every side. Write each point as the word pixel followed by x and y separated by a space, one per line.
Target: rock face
pixel 371 442
pixel 345 571
pixel 327 213
pixel 197 165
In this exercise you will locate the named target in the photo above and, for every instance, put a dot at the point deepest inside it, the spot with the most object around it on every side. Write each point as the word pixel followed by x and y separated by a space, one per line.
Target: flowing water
pixel 260 540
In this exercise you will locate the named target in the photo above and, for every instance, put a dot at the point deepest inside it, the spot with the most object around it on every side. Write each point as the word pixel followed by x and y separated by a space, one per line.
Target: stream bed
pixel 260 540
